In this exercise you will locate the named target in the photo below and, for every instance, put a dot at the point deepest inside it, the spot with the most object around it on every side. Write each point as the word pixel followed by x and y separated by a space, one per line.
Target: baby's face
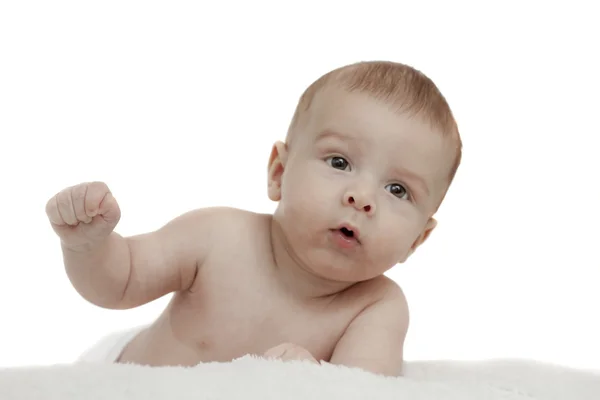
pixel 356 163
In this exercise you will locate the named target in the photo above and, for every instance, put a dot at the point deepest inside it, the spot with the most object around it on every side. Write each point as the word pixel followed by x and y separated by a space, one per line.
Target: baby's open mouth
pixel 347 232
pixel 346 237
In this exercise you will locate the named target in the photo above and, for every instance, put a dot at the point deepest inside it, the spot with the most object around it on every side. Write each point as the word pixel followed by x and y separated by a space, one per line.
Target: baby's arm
pixel 118 272
pixel 158 262
pixel 165 260
pixel 374 340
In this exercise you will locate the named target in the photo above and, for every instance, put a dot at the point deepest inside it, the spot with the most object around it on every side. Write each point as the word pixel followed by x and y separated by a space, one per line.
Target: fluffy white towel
pixel 255 378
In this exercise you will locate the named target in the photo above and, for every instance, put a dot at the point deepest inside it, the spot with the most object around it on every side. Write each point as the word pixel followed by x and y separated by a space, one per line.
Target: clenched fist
pixel 83 214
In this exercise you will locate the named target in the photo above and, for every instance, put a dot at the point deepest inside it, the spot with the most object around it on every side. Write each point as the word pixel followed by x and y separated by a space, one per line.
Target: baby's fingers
pixel 78 195
pixel 63 211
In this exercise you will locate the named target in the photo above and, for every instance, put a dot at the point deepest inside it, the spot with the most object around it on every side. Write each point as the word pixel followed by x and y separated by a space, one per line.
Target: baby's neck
pixel 298 278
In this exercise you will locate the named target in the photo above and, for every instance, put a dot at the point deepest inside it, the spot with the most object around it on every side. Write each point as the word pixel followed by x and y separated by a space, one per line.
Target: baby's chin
pixel 339 269
pixel 343 273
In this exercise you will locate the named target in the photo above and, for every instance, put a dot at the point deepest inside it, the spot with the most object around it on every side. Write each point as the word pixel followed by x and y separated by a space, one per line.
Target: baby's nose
pixel 361 202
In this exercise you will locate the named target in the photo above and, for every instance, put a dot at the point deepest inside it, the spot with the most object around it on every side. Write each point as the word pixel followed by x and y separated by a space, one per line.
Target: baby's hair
pixel 398 84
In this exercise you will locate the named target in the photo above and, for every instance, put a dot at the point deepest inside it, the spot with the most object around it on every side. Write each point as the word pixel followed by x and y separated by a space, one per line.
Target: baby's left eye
pixel 338 162
pixel 397 190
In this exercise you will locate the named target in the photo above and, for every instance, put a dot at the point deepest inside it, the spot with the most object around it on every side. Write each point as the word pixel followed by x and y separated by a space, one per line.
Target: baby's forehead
pixel 361 116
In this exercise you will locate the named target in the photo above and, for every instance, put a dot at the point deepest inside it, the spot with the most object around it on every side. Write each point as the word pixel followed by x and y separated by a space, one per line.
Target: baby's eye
pixel 397 190
pixel 338 162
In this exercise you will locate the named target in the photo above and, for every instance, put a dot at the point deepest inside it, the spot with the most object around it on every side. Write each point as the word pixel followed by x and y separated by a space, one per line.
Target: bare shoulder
pixel 211 224
pixel 216 213
pixel 392 303
pixel 374 339
pixel 380 303
pixel 389 301
pixel 218 230
pixel 377 292
pixel 226 220
pixel 390 291
pixel 233 234
pixel 214 220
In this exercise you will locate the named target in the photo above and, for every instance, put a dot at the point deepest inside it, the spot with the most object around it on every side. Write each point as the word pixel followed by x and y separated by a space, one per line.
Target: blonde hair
pixel 398 84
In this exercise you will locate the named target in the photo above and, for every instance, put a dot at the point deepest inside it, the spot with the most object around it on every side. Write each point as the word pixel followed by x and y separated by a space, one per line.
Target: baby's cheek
pixel 295 187
pixel 307 197
pixel 395 240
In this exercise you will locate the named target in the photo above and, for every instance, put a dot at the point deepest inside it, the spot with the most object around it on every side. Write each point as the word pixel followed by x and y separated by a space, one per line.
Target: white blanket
pixel 254 378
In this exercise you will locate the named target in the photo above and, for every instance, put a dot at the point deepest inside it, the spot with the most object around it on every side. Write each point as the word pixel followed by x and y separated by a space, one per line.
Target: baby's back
pixel 238 305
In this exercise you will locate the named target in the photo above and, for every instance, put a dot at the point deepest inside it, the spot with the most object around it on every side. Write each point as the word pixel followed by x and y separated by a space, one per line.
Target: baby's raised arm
pixel 118 272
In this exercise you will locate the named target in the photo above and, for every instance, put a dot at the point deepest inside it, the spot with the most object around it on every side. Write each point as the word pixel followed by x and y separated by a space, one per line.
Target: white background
pixel 175 106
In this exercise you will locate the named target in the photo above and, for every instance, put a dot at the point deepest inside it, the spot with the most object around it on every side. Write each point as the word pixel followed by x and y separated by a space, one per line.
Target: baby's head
pixel 372 148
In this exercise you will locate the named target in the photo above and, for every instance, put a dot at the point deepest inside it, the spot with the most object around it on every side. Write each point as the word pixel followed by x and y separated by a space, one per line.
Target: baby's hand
pixel 290 351
pixel 83 214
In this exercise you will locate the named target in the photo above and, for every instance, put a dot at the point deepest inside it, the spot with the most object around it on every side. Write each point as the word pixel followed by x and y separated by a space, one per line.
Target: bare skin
pixel 211 317
pixel 291 285
pixel 219 318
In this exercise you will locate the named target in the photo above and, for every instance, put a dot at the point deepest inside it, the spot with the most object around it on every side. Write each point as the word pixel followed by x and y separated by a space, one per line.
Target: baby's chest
pixel 254 321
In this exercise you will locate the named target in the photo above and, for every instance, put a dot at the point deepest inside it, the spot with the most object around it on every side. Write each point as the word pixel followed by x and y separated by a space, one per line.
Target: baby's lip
pixel 350 228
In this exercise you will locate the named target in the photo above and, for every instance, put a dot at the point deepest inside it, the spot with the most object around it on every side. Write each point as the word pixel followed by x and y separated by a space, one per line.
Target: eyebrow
pixel 329 133
pixel 413 177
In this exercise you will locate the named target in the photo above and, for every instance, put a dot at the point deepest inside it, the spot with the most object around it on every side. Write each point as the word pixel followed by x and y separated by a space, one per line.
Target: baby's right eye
pixel 338 162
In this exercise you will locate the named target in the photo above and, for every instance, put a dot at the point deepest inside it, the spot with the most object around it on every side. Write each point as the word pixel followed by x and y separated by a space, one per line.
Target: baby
pixel 370 153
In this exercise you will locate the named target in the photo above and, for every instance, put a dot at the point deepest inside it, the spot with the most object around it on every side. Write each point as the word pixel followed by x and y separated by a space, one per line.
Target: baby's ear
pixel 277 162
pixel 429 227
